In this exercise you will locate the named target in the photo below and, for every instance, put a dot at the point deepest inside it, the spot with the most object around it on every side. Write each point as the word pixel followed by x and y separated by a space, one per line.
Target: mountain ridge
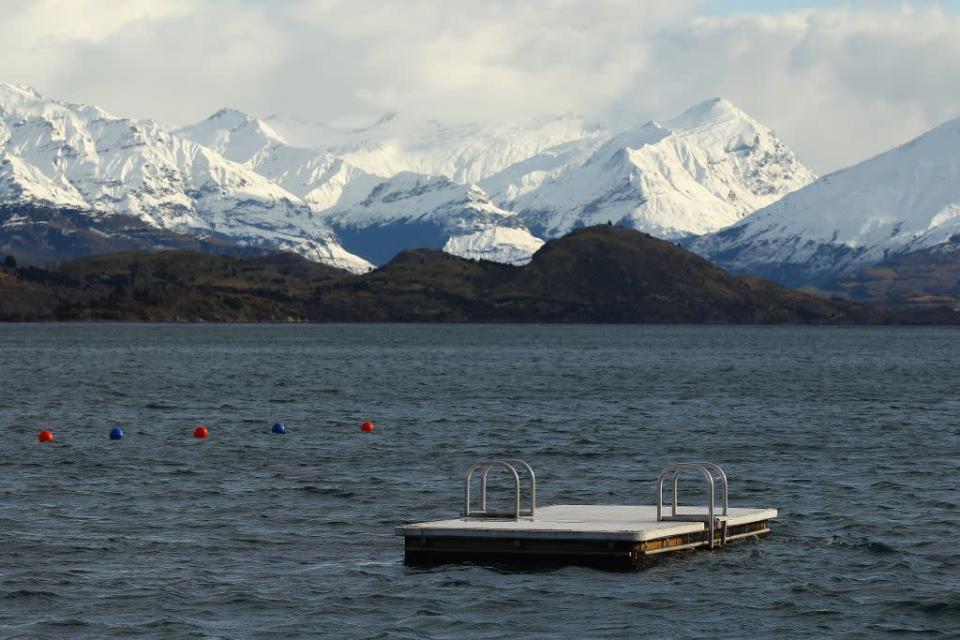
pixel 57 153
pixel 701 171
pixel 717 165
pixel 902 200
pixel 238 176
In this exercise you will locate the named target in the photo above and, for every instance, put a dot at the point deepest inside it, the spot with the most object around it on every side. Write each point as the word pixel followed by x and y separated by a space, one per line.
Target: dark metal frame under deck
pixel 429 550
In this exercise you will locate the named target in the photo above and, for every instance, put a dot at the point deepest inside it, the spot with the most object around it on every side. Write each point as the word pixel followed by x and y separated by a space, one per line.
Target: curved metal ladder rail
pixel 720 475
pixel 487 466
pixel 532 485
pixel 706 469
pixel 466 488
pixel 676 470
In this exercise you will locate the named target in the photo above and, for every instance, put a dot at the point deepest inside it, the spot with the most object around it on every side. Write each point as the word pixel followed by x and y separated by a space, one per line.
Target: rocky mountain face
pixel 901 201
pixel 42 235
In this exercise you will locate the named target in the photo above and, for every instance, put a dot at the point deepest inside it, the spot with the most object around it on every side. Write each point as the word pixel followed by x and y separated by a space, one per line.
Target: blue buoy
pixel 279 428
pixel 117 433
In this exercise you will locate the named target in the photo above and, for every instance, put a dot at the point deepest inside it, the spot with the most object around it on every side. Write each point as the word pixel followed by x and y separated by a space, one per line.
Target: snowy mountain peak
pixel 19 90
pixel 704 170
pixel 707 113
pixel 17 97
pixel 231 114
pixel 235 120
pixel 22 102
pixel 234 134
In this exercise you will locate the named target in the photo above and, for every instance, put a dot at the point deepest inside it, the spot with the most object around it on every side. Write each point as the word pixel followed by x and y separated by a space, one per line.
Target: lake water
pixel 853 433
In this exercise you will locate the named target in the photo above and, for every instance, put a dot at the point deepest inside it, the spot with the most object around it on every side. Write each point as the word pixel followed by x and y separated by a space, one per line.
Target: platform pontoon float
pixel 605 535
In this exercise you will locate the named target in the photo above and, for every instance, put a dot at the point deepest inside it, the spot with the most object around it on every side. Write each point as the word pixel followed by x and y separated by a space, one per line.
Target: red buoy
pixel 200 432
pixel 367 427
pixel 45 436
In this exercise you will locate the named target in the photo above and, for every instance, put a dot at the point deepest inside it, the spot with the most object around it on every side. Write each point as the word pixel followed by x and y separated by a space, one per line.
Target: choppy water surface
pixel 853 433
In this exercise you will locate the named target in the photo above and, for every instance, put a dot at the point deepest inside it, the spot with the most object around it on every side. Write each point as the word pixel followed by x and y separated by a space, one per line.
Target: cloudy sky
pixel 838 81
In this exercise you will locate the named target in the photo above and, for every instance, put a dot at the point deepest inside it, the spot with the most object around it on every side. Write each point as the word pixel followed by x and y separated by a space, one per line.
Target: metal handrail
pixel 487 466
pixel 706 469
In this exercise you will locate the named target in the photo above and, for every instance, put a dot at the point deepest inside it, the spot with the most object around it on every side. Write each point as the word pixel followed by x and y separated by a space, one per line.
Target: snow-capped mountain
pixel 899 201
pixel 396 184
pixel 415 210
pixel 699 172
pixel 69 155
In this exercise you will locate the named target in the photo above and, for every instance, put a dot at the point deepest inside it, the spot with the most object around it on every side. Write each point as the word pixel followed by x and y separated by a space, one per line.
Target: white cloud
pixel 837 84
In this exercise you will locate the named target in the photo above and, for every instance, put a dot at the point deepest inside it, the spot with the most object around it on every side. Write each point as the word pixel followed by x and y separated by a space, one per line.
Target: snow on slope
pixel 700 172
pixel 463 152
pixel 234 135
pixel 527 175
pixel 320 178
pixel 902 200
pixel 64 154
pixel 413 210
pixel 497 244
pixel 422 210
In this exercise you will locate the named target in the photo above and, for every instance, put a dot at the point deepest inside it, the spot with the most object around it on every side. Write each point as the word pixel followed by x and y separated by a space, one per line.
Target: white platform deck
pixel 582 522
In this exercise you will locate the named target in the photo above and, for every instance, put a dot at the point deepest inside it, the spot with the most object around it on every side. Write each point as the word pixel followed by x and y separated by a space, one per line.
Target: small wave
pixel 864 544
pixel 878 547
pixel 455 583
pixel 327 491
pixel 27 594
pixel 947 605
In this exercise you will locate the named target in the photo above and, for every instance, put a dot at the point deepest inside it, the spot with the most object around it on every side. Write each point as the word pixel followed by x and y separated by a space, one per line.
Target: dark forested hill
pixel 597 274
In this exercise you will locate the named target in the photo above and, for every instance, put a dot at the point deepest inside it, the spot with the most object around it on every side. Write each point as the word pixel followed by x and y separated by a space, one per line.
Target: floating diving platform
pixel 598 535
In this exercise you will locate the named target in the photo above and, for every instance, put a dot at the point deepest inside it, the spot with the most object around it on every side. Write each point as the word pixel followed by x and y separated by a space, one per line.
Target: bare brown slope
pixel 926 281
